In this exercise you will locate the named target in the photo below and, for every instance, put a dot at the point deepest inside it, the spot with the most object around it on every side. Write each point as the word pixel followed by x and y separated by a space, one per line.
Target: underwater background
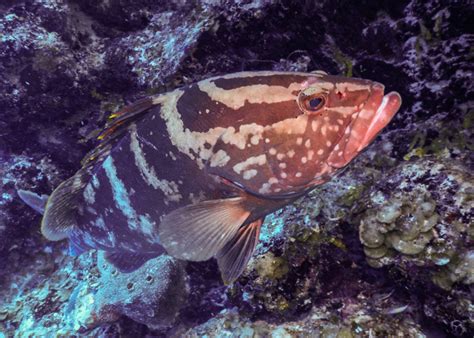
pixel 385 249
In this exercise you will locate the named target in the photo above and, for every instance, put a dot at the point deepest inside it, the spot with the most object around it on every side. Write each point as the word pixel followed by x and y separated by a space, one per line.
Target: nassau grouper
pixel 193 172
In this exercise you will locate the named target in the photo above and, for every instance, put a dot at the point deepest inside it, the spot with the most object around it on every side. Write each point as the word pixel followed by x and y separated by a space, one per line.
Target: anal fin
pixel 127 262
pixel 234 256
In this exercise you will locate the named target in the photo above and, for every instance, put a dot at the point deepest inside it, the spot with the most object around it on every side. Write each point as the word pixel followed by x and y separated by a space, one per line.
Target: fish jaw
pixel 377 112
pixel 384 114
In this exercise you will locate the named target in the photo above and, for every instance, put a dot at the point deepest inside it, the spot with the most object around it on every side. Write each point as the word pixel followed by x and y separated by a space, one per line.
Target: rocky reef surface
pixel 384 249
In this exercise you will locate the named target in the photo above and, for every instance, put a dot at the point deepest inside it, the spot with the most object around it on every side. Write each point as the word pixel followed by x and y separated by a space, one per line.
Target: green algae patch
pixel 352 195
pixel 344 61
pixel 270 267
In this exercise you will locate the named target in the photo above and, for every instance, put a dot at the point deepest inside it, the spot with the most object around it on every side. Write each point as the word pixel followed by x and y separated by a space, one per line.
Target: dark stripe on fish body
pixel 200 113
pixel 284 80
pixel 152 145
pixel 170 164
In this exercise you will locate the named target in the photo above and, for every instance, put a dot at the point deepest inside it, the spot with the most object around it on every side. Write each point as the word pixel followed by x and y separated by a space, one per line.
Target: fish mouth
pixel 383 115
pixel 378 111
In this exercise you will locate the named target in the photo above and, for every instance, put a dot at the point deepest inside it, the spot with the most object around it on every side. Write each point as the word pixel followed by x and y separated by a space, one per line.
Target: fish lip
pixel 387 109
pixel 382 112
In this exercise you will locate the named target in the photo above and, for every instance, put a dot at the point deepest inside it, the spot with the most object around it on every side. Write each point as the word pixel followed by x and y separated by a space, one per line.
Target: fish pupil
pixel 315 102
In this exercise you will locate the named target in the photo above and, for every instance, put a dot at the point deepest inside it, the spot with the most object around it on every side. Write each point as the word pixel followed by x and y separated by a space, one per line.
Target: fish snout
pixel 385 108
pixel 373 117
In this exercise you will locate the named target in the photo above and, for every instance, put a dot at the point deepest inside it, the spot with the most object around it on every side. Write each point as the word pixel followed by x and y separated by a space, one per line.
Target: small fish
pixel 194 172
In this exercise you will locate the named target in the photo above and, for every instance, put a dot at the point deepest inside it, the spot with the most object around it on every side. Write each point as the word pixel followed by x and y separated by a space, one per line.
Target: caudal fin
pixel 33 200
pixel 60 214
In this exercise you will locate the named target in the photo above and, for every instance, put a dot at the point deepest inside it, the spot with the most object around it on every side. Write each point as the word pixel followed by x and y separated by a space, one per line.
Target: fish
pixel 193 172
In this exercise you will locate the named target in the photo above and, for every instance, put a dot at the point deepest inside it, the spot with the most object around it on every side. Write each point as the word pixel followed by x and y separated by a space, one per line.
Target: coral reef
pixel 384 249
pixel 422 216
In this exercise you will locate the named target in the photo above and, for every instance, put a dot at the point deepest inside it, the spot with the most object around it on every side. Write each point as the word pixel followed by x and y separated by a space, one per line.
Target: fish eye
pixel 313 103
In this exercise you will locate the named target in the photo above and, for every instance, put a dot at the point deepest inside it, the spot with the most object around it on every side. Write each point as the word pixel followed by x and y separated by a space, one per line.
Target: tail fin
pixel 33 200
pixel 60 214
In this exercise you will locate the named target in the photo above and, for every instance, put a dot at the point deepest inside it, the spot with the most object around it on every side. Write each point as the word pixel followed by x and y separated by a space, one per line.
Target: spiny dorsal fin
pixel 197 232
pixel 234 256
pixel 118 124
pixel 125 116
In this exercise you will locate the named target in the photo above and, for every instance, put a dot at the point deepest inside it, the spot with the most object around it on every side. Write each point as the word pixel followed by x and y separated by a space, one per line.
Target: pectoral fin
pixel 198 232
pixel 234 256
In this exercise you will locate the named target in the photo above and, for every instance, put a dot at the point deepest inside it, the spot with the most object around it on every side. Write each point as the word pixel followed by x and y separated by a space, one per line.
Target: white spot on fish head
pixel 255 139
pixel 273 180
pixel 248 174
pixel 251 161
pixel 219 159
pixel 324 130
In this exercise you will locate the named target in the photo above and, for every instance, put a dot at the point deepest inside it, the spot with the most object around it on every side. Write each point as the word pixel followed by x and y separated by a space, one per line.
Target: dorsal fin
pixel 125 116
pixel 118 124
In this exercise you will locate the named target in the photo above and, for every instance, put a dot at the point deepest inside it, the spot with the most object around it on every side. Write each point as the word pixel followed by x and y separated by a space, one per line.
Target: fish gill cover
pixel 383 249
